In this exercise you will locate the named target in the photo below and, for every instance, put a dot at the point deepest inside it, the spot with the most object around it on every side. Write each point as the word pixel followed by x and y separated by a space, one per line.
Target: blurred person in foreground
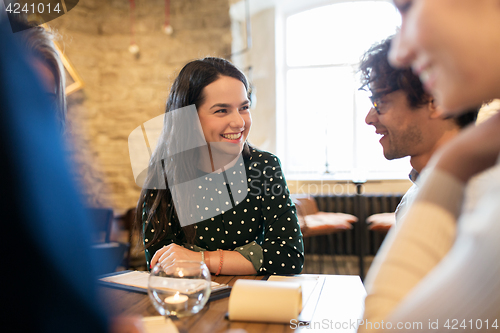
pixel 440 268
pixel 53 282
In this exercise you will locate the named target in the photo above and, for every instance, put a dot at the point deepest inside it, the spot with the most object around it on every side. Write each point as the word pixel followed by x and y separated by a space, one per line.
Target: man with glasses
pixel 406 116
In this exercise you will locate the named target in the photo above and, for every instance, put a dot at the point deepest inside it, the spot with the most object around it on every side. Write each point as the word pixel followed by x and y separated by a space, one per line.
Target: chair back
pixel 101 222
pixel 308 205
pixel 107 254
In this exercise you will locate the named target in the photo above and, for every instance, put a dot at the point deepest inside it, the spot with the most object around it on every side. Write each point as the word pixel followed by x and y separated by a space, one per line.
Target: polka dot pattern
pixel 257 226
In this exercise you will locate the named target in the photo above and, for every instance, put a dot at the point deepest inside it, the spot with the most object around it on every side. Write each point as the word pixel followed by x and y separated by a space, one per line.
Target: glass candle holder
pixel 181 289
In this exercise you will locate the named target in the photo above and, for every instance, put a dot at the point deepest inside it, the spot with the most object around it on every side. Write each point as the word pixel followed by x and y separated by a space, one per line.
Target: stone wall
pixel 122 91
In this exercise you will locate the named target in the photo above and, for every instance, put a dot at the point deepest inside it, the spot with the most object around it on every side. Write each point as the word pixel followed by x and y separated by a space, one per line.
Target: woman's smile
pixel 233 137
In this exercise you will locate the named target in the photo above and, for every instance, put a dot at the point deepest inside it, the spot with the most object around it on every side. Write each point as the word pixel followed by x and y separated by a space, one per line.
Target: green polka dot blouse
pixel 263 227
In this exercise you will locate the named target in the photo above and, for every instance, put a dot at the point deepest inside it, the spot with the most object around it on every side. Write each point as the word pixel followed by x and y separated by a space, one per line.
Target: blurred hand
pixel 127 324
pixel 168 254
pixel 382 221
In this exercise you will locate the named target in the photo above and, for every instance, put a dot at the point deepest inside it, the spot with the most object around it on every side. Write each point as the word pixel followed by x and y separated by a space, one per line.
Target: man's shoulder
pixel 406 201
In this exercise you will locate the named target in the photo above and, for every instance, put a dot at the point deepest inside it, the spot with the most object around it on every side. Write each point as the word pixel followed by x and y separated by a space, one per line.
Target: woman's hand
pixel 168 254
pixel 472 151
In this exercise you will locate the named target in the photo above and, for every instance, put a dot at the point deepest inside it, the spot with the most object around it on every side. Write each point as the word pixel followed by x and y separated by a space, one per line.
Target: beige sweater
pixel 437 265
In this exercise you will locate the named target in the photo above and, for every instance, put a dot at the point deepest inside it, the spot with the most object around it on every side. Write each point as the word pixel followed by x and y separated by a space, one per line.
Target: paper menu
pixel 307 283
pixel 134 278
pixel 278 300
pixel 265 301
pixel 159 324
pixel 138 281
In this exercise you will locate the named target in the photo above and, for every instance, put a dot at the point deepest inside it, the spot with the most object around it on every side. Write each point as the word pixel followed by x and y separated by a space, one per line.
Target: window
pixel 325 136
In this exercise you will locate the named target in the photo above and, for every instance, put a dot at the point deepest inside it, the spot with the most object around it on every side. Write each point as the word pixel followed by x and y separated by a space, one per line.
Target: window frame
pixel 285 9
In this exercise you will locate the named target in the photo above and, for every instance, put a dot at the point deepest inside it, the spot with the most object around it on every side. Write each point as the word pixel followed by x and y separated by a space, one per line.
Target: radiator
pixel 361 206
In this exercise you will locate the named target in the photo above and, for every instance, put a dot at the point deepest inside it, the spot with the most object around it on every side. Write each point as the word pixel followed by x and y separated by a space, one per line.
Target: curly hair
pixel 377 74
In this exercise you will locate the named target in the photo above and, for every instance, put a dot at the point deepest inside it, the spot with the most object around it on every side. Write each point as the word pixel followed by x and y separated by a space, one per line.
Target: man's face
pixel 400 125
pixel 452 45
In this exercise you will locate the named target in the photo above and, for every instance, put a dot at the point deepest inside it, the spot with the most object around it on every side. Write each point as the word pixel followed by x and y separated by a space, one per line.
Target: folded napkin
pixel 158 324
pixel 265 301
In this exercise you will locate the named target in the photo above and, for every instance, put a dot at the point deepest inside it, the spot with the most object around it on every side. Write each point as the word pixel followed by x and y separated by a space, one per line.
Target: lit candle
pixel 176 303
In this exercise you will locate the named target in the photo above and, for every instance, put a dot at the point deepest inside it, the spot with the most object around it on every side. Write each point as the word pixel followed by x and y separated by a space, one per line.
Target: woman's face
pixel 225 115
pixel 453 46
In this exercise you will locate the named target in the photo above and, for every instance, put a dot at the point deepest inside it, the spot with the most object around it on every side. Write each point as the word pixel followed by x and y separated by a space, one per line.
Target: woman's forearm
pixel 233 263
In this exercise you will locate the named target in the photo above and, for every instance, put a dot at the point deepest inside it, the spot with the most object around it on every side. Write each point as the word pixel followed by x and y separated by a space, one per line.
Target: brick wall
pixel 121 92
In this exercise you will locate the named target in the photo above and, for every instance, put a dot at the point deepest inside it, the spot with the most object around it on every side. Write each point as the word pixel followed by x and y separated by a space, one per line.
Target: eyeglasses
pixel 376 103
pixel 376 99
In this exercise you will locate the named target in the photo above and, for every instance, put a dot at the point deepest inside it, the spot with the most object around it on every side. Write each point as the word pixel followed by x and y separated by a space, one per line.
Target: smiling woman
pixel 208 191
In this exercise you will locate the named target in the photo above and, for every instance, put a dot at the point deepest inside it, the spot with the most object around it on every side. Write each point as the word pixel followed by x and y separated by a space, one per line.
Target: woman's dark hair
pixel 186 90
pixel 377 72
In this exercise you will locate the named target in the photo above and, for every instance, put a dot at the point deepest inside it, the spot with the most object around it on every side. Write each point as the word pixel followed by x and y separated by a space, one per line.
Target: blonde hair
pixel 40 42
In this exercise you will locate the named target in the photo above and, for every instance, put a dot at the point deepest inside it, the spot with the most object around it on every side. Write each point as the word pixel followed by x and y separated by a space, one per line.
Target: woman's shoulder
pixel 258 155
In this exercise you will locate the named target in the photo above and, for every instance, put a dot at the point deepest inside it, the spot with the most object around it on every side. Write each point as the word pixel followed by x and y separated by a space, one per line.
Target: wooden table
pixel 339 306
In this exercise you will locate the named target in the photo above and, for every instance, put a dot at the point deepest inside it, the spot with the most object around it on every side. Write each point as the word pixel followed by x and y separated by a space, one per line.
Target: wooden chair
pixel 134 258
pixel 315 223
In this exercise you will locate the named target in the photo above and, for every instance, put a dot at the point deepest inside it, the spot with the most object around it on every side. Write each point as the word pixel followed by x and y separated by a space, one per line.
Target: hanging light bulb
pixel 167 28
pixel 134 48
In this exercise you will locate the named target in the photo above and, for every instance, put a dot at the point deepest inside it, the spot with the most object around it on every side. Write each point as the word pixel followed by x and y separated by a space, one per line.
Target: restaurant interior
pixel 120 60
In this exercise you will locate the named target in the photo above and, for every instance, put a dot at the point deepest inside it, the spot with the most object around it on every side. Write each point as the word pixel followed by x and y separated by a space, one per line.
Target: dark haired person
pixel 405 115
pixel 210 196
